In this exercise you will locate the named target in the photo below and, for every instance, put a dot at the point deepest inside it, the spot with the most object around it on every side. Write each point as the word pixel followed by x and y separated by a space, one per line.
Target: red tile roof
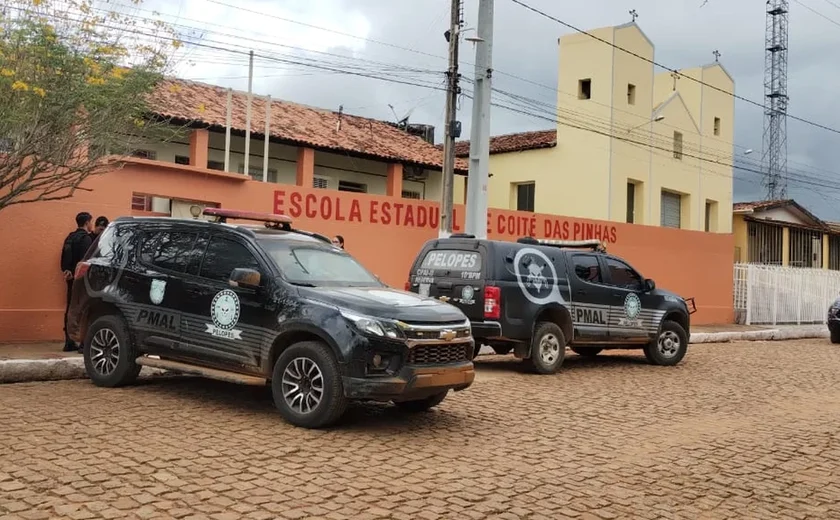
pixel 761 204
pixel 294 123
pixel 513 142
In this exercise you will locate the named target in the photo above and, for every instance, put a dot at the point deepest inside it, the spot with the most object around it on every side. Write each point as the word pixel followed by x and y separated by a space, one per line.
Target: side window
pixel 223 256
pixel 622 275
pixel 587 268
pixel 169 250
pixel 112 243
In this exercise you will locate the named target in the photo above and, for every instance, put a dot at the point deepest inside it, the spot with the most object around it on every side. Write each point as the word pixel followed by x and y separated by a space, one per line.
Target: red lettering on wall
pixel 355 211
pixel 295 210
pixel 404 213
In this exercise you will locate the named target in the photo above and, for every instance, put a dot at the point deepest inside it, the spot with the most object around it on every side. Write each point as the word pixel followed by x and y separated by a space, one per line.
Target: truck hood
pixel 384 302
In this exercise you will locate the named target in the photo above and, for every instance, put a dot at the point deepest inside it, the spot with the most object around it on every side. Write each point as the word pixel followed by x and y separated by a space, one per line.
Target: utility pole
pixel 452 128
pixel 476 220
pixel 776 98
pixel 247 169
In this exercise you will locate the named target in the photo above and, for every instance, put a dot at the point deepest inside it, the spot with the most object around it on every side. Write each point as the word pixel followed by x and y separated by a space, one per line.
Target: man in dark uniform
pixel 75 246
pixel 99 227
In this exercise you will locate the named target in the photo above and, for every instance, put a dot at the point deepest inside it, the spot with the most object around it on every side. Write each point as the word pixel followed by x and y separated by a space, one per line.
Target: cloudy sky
pixel 402 41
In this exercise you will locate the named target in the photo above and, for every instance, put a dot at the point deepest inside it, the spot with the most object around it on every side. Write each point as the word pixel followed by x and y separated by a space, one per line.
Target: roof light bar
pixel 577 244
pixel 270 220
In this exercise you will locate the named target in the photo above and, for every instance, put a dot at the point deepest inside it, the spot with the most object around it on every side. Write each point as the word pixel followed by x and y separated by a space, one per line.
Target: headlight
pixel 373 326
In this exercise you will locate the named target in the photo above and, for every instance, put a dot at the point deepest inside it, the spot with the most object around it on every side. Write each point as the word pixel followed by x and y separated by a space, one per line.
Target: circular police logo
pixel 467 293
pixel 632 306
pixel 225 309
pixel 536 276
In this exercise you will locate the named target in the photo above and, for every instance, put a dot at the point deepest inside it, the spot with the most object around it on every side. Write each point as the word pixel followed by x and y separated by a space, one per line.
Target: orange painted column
pixel 395 180
pixel 199 147
pixel 305 167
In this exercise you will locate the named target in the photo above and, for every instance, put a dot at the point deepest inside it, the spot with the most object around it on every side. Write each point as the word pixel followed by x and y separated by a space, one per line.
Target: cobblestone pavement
pixel 737 431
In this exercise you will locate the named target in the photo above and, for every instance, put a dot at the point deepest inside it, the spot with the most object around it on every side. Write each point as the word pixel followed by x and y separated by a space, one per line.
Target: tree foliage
pixel 75 81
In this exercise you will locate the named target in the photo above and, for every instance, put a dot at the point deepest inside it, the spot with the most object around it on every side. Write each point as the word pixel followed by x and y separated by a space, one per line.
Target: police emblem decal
pixel 224 310
pixel 632 310
pixel 157 291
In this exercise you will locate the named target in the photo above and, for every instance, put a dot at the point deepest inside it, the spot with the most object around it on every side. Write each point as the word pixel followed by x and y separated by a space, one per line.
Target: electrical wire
pixel 648 60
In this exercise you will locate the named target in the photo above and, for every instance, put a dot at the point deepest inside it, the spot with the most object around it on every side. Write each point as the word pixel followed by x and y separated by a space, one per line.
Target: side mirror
pixel 650 285
pixel 245 278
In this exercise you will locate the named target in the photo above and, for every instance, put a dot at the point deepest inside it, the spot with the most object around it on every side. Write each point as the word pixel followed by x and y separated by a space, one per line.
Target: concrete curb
pixel 27 370
pixel 759 335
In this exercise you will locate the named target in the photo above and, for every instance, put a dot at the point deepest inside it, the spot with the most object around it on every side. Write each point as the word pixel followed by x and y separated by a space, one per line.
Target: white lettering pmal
pixel 224 310
pixel 534 280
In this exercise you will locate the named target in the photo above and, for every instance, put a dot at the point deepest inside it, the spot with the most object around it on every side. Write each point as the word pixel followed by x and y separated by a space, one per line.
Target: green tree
pixel 74 88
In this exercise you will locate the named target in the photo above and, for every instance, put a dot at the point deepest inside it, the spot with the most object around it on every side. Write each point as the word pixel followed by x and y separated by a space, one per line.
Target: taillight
pixel 81 270
pixel 492 302
pixel 407 286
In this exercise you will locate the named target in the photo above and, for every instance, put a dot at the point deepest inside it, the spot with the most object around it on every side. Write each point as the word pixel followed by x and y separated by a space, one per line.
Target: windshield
pixel 308 265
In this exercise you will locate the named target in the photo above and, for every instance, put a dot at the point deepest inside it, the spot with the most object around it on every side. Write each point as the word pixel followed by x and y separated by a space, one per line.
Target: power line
pixel 657 64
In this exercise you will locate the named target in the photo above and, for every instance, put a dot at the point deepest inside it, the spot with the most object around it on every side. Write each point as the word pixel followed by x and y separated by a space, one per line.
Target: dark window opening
pixel 525 197
pixel 631 94
pixel 678 145
pixel 631 203
pixel 585 89
pixel 717 126
pixel 182 159
pixel 353 187
pixel 216 165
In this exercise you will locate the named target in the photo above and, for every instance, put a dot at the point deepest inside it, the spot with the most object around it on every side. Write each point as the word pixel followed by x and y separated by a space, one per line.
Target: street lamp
pixel 748 151
pixel 654 120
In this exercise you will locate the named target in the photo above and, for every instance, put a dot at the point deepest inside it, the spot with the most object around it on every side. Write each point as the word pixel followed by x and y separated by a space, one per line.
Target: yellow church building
pixel 632 144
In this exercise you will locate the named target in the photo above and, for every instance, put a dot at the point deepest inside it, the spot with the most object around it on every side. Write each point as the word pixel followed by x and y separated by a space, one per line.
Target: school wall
pixel 384 233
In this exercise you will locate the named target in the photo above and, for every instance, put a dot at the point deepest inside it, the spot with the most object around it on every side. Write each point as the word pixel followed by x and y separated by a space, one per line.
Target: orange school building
pixel 383 232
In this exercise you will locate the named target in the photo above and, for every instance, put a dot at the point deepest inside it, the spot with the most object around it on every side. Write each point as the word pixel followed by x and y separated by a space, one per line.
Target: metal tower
pixel 774 142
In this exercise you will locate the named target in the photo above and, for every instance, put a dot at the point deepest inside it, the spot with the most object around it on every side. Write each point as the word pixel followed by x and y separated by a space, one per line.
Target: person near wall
pixel 98 227
pixel 338 241
pixel 75 246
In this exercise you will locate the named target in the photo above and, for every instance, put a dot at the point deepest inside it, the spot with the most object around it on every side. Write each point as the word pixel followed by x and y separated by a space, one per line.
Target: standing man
pixel 99 227
pixel 75 246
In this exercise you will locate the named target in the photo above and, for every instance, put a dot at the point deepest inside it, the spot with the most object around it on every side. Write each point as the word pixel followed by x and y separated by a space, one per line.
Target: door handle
pixel 580 291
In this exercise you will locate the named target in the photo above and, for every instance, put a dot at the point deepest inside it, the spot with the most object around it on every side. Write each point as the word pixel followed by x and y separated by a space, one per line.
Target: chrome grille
pixel 439 354
pixel 434 334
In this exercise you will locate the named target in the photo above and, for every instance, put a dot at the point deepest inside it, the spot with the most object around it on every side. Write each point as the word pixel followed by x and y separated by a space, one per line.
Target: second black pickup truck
pixel 535 298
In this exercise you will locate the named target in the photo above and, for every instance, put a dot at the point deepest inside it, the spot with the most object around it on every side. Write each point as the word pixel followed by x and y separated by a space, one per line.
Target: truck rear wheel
pixel 109 354
pixel 669 347
pixel 548 348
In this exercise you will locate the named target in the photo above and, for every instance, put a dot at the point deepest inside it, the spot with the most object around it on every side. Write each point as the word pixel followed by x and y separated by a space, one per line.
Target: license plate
pixel 424 289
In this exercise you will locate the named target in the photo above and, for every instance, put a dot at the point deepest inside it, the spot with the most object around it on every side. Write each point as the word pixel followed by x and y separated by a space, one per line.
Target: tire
pixel 308 362
pixel 502 350
pixel 548 348
pixel 108 352
pixel 670 345
pixel 587 351
pixel 835 335
pixel 422 405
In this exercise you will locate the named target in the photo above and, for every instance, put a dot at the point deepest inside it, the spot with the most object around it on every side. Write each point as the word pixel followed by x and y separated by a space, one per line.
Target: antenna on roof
pixel 340 111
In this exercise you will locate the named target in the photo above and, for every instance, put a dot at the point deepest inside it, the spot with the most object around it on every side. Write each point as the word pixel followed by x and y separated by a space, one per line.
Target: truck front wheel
pixel 670 345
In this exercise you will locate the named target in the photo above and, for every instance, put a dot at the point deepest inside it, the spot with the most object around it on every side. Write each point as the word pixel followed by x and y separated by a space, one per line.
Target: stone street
pixel 740 430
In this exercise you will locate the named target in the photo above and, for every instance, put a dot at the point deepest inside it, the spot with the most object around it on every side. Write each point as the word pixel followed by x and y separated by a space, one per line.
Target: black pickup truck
pixel 536 297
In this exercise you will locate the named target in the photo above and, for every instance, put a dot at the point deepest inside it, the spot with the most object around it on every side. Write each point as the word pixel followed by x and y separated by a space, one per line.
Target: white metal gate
pixel 770 294
pixel 670 210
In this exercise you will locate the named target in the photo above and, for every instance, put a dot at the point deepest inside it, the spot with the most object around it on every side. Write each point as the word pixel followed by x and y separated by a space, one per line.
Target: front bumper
pixel 412 382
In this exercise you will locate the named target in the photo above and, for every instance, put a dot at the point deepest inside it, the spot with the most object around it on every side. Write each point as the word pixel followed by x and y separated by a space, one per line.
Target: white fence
pixel 770 294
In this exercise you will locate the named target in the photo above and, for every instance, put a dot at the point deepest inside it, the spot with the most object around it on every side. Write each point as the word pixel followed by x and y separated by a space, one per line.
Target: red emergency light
pixel 270 220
